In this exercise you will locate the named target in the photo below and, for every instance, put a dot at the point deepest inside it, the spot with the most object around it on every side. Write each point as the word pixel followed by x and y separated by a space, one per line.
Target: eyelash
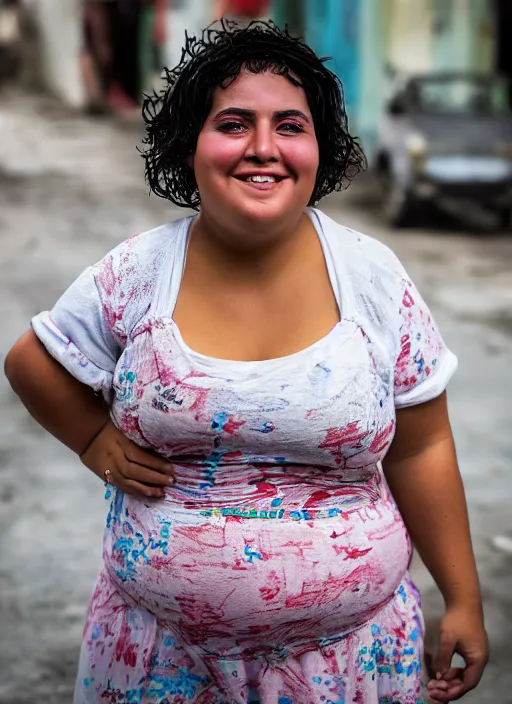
pixel 233 127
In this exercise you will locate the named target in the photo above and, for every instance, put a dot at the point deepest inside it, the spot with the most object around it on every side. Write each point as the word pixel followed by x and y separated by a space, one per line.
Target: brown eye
pixel 232 127
pixel 291 128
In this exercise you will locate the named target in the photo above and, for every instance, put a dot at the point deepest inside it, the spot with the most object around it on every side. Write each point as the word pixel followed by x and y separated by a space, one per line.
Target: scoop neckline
pixel 217 362
pixel 239 364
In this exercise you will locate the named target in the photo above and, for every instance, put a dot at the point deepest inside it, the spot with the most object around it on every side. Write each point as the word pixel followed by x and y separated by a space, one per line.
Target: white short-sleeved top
pixel 330 405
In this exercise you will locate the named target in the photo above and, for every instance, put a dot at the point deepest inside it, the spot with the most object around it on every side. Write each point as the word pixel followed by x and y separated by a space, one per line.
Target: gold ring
pixel 107 473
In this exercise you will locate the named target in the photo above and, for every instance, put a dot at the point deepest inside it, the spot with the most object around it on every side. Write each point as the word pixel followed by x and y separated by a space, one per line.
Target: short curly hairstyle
pixel 175 116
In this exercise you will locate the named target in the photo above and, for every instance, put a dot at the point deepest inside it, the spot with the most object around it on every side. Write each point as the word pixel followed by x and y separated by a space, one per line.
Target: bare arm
pixel 75 415
pixel 423 475
pixel 66 408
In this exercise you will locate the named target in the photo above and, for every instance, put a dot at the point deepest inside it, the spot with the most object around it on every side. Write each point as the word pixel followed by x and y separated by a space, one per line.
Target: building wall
pixel 483 50
pixel 440 35
pixel 332 28
pixel 409 35
pixel 372 76
pixel 59 26
pixel 184 15
pixel 376 44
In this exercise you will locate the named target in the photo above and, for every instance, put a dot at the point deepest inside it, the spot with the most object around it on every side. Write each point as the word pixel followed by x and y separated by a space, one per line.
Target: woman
pixel 268 374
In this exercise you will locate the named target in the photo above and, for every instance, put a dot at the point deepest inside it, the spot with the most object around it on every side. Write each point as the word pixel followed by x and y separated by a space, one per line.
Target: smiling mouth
pixel 260 179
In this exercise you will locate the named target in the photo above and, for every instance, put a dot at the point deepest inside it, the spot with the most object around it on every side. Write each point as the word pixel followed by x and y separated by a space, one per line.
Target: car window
pixel 460 96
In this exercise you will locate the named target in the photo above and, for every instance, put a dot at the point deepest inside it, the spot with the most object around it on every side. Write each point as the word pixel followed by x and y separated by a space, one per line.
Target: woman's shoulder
pixel 363 257
pixel 127 278
pixel 137 262
pixel 147 248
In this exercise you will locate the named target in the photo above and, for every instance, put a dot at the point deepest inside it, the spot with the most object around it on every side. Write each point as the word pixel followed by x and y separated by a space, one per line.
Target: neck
pixel 262 251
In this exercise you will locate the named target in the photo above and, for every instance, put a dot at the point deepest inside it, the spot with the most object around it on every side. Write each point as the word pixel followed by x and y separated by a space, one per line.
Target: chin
pixel 265 213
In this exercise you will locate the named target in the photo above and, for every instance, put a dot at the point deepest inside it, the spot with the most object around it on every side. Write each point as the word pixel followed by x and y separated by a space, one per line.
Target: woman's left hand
pixel 462 631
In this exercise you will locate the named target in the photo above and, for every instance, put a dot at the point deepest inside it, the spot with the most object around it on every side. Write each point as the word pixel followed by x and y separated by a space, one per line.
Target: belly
pixel 230 584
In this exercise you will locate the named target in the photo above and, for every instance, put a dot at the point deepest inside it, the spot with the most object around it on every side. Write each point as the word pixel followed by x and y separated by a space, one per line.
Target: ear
pixel 190 161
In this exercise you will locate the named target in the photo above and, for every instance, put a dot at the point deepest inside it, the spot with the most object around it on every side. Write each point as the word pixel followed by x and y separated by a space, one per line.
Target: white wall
pixel 59 26
pixel 190 15
pixel 410 35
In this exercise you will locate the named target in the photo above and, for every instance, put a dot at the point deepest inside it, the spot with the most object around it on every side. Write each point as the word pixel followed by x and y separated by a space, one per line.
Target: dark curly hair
pixel 175 116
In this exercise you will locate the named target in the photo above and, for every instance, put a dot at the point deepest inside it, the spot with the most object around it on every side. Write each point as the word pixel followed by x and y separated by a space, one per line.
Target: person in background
pixel 126 91
pixel 153 36
pixel 242 11
pixel 11 39
pixel 109 55
pixel 96 56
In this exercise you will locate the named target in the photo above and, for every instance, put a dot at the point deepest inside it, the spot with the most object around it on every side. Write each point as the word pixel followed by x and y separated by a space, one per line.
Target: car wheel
pixel 398 204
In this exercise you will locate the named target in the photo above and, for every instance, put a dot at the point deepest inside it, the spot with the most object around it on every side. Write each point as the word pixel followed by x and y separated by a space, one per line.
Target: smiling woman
pixel 257 154
pixel 210 65
pixel 268 375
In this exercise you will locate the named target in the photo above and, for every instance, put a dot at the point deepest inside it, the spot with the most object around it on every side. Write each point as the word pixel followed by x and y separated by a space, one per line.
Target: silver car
pixel 446 135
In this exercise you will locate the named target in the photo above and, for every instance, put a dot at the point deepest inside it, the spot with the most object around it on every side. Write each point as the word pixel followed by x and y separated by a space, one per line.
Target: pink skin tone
pixel 446 688
pixel 260 124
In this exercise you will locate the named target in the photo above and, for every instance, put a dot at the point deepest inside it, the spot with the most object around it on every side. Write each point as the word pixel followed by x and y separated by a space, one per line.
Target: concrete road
pixel 71 188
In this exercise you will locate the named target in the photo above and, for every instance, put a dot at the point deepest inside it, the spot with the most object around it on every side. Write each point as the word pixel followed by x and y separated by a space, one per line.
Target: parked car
pixel 446 135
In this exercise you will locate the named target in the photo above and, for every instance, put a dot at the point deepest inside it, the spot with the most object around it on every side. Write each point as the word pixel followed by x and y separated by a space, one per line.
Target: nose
pixel 262 146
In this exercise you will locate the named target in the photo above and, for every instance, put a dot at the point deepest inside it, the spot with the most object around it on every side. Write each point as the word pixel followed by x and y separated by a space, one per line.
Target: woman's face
pixel 257 155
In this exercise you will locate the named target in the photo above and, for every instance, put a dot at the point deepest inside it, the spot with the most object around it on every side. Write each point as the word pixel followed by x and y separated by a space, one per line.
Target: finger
pixel 442 685
pixel 454 673
pixel 137 455
pixel 439 696
pixel 116 478
pixel 470 678
pixel 458 689
pixel 438 684
pixel 143 475
pixel 137 489
pixel 447 643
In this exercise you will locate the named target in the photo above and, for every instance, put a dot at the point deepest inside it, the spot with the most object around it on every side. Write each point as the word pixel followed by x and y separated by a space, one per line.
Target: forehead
pixel 261 92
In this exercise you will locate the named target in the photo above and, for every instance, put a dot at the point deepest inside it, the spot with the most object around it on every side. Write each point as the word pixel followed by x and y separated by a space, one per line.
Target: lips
pixel 260 178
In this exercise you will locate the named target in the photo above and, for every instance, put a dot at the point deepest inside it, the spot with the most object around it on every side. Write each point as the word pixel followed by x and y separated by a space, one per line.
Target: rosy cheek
pixel 219 151
pixel 301 155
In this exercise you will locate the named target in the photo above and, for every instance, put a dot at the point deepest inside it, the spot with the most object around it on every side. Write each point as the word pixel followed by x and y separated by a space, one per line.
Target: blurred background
pixel 427 87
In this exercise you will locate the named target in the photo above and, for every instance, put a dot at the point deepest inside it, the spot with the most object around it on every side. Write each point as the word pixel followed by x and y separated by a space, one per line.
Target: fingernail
pixel 171 481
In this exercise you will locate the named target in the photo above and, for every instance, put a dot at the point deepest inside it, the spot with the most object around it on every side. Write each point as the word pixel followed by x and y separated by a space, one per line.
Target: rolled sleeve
pixel 424 365
pixel 77 334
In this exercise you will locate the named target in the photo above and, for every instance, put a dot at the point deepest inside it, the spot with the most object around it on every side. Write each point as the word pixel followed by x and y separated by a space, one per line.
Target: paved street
pixel 71 188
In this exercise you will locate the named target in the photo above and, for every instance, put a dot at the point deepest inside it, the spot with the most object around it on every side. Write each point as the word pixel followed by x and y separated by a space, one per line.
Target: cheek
pixel 217 152
pixel 303 158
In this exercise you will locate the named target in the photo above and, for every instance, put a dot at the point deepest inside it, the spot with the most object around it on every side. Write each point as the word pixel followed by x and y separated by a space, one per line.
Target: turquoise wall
pixel 356 34
pixel 332 30
pixel 372 22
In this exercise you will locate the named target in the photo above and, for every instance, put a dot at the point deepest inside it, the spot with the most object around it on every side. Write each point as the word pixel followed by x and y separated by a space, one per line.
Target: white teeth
pixel 261 179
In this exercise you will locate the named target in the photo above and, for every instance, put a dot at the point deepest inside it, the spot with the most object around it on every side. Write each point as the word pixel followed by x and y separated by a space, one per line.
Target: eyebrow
pixel 249 114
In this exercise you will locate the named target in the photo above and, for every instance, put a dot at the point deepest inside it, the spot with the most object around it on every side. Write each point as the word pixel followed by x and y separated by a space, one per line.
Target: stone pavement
pixel 70 188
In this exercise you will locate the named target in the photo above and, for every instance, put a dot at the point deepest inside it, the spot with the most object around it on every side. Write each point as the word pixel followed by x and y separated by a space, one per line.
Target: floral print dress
pixel 275 569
